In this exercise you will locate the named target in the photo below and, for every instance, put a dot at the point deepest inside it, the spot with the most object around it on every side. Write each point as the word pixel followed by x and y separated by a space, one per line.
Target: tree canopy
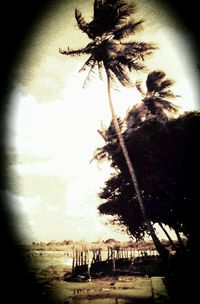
pixel 113 20
pixel 166 160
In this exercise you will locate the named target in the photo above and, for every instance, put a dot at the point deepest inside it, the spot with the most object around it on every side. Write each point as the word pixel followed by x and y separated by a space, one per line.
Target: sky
pixel 53 121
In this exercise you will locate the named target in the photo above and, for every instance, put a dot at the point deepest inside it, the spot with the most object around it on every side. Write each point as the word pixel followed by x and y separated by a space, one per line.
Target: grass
pixel 138 289
pixel 48 269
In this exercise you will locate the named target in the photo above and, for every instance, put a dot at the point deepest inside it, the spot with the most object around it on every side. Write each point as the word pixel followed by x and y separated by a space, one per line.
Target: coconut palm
pixel 111 23
pixel 108 51
pixel 156 102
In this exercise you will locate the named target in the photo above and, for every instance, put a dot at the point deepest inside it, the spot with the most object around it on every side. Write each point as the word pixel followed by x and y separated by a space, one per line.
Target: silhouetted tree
pixel 166 158
pixel 111 23
pixel 156 102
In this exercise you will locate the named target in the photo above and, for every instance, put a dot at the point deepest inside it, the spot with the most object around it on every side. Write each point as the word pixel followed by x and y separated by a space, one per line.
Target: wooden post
pixel 76 259
pixel 82 263
pixel 79 257
pixel 73 261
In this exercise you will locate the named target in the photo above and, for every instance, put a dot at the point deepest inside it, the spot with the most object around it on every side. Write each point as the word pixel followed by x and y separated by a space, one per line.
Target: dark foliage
pixel 110 24
pixel 166 160
pixel 156 102
pixel 109 16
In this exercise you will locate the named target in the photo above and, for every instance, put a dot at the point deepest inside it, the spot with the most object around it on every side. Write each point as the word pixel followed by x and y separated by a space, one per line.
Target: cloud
pixel 20 204
pixel 53 122
pixel 20 211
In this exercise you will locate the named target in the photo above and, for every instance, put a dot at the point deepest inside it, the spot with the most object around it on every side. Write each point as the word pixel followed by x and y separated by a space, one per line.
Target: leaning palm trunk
pixel 168 236
pixel 179 238
pixel 159 246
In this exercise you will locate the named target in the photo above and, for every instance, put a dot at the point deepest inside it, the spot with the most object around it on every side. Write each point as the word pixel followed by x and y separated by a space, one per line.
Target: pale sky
pixel 53 122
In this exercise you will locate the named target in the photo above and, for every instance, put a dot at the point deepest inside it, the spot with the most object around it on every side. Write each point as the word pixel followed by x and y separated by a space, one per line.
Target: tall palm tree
pixel 111 23
pixel 156 102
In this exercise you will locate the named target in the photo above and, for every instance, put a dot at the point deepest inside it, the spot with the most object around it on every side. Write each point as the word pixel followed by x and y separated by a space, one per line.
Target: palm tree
pixel 108 51
pixel 156 102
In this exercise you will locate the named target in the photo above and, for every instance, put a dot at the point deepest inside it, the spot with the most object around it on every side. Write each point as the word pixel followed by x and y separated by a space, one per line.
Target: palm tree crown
pixel 108 16
pixel 156 102
pixel 111 23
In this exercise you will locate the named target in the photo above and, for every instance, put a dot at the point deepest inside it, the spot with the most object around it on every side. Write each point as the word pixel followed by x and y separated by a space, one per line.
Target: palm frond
pixel 101 70
pixel 127 29
pixel 134 116
pixel 166 84
pixel 144 47
pixel 135 66
pixel 119 8
pixel 156 75
pixel 153 80
pixel 111 132
pixel 92 70
pixel 108 15
pixel 136 49
pixel 88 63
pixel 82 24
pixel 71 52
pixel 99 155
pixel 132 55
pixel 138 85
pixel 120 73
pixel 166 105
pixel 123 11
pixel 97 8
pixel 168 94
